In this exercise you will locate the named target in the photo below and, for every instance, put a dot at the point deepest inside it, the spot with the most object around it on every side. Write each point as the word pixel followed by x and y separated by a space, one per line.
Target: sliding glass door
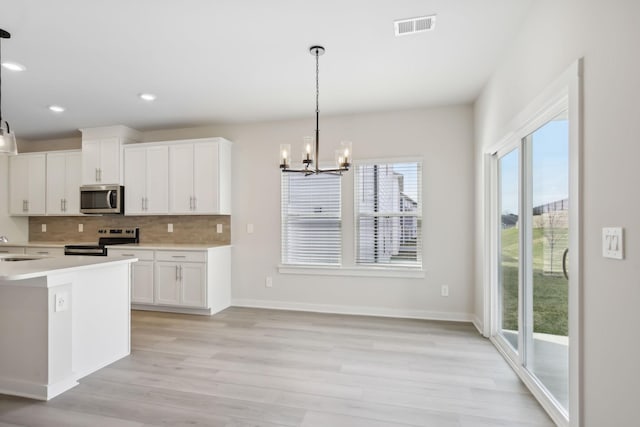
pixel 532 252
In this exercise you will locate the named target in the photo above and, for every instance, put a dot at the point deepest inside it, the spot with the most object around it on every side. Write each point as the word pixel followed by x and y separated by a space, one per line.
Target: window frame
pixel 283 233
pixel 356 229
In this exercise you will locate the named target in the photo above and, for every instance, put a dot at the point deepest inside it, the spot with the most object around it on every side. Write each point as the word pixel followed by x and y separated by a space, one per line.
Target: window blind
pixel 311 219
pixel 388 214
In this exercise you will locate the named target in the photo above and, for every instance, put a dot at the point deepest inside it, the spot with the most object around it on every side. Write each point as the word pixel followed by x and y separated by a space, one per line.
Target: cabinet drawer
pixel 181 256
pixel 45 251
pixel 141 254
pixel 11 250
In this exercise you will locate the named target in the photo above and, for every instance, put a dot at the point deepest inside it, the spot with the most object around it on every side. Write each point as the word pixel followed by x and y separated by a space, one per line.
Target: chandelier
pixel 310 154
pixel 7 138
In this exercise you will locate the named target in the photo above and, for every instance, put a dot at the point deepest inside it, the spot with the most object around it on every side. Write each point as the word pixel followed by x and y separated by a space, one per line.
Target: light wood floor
pixel 250 367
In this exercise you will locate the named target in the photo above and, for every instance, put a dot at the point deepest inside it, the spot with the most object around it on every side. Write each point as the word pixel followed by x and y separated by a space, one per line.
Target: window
pixel 388 214
pixel 311 219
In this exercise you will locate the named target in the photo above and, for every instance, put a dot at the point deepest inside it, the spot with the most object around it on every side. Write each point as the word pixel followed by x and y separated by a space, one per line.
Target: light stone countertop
pixel 44 266
pixel 171 246
pixel 41 244
pixel 149 246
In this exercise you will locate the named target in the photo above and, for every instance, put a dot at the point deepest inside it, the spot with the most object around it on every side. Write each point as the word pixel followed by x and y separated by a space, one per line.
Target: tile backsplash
pixel 153 229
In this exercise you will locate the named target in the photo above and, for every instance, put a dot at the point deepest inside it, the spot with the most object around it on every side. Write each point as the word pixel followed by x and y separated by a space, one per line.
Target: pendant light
pixel 310 154
pixel 7 138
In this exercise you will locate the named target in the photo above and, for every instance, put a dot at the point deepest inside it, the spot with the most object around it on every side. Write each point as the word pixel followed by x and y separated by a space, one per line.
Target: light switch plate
pixel 44 228
pixel 249 228
pixel 80 228
pixel 612 242
pixel 169 228
pixel 219 228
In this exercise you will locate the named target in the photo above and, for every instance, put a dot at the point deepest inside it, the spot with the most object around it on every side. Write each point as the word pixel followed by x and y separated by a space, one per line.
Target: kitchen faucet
pixel 3 239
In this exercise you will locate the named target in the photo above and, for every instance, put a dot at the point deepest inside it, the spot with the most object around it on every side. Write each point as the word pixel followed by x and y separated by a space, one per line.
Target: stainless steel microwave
pixel 102 199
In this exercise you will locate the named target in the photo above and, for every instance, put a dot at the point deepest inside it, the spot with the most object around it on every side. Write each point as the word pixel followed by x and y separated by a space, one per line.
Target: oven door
pixel 101 199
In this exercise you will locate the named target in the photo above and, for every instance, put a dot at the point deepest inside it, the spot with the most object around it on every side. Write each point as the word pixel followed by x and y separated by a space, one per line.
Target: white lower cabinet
pixel 141 274
pixel 181 284
pixel 190 281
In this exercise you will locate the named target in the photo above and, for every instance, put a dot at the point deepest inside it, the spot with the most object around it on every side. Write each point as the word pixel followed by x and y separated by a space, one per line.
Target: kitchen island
pixel 61 318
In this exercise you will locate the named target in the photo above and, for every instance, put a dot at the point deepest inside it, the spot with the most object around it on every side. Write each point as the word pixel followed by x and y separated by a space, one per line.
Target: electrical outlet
pixel 249 228
pixel 44 228
pixel 61 301
pixel 268 282
pixel 169 228
pixel 444 291
pixel 218 228
pixel 80 228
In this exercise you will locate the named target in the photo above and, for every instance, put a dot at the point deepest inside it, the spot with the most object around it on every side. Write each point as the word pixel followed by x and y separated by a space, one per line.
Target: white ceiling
pixel 220 61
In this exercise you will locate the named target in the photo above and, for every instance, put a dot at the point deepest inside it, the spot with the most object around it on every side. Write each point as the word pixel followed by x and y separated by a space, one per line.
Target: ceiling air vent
pixel 420 24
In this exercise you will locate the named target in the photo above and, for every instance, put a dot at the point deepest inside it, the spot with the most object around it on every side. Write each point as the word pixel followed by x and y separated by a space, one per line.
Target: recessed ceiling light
pixel 13 66
pixel 56 108
pixel 147 96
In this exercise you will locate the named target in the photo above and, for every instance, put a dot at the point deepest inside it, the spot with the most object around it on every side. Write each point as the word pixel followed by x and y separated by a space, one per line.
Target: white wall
pixel 443 137
pixel 15 228
pixel 607 35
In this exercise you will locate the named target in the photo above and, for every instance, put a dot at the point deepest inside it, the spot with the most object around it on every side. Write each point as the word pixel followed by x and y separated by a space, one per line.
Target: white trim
pixel 408 273
pixel 353 310
pixel 478 324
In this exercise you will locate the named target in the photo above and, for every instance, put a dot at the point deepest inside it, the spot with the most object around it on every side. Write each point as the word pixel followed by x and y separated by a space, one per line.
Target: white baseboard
pixel 353 310
pixel 478 324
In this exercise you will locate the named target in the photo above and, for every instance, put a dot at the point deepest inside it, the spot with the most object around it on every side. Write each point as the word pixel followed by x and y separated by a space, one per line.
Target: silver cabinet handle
pixel 146 203
pixel 100 174
pixel 127 255
pixel 61 205
pixel 195 203
pixel 177 276
pixel 142 203
pixel 178 256
pixel 65 204
pixel 97 179
pixel 190 203
pixel 181 273
pixel 25 206
pixel 42 252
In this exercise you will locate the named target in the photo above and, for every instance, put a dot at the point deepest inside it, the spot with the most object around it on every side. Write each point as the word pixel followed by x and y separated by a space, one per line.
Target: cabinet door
pixel 56 186
pixel 90 161
pixel 181 179
pixel 167 283
pixel 134 180
pixel 194 284
pixel 157 178
pixel 72 183
pixel 109 161
pixel 142 283
pixel 37 184
pixel 205 177
pixel 18 185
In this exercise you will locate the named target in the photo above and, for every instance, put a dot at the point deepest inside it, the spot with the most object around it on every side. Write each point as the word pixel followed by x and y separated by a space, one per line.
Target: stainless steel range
pixel 106 237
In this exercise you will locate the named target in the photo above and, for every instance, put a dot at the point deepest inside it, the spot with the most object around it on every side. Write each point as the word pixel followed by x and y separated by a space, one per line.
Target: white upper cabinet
pixel 200 177
pixel 101 161
pixel 146 179
pixel 102 153
pixel 63 183
pixel 27 184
